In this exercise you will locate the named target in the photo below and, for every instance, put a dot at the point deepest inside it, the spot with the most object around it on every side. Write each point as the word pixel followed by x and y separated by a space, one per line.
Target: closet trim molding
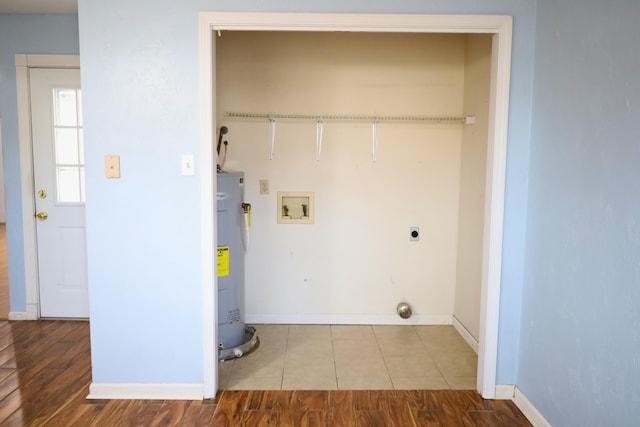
pixel 211 23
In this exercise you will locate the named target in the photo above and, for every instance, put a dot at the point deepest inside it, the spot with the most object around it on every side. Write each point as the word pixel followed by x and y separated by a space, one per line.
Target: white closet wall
pixel 472 182
pixel 355 263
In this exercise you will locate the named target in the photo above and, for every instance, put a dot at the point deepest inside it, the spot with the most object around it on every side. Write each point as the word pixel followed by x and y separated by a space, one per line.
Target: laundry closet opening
pixel 372 182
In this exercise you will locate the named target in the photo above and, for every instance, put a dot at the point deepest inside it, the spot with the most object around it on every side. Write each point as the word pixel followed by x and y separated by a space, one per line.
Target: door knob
pixel 42 216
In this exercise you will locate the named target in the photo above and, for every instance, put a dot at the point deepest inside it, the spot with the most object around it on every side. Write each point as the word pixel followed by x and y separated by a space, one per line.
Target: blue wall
pixel 580 354
pixel 139 65
pixel 25 35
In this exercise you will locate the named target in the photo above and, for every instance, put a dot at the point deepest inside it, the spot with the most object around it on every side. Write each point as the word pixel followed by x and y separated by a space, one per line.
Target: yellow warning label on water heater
pixel 223 261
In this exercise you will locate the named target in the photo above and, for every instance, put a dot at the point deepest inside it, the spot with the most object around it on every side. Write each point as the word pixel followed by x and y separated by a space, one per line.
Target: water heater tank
pixel 231 223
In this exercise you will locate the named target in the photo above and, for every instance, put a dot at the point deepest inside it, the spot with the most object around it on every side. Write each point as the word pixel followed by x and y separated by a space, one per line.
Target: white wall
pixel 472 182
pixel 355 263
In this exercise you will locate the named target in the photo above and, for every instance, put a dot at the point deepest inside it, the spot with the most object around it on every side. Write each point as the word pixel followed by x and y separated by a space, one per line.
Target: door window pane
pixel 68 179
pixel 66 107
pixel 66 144
pixel 69 145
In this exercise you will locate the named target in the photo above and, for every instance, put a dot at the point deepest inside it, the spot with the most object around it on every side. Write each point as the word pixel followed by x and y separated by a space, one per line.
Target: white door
pixel 58 164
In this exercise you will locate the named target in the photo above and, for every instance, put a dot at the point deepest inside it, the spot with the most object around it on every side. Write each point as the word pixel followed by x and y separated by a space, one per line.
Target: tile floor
pixel 343 357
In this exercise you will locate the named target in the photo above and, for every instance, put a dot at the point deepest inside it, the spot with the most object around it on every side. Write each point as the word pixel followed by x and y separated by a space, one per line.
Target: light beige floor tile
pixel 461 383
pixel 365 383
pixel 272 331
pixel 312 367
pixel 303 348
pixel 309 383
pixel 259 364
pixel 442 339
pixel 353 333
pixel 311 338
pixel 448 347
pixel 398 332
pixel 420 383
pixel 253 383
pixel 438 333
pixel 411 366
pixel 312 331
pixel 225 368
pixel 272 336
pixel 396 347
pixel 369 366
pixel 344 349
pixel 465 365
pixel 260 353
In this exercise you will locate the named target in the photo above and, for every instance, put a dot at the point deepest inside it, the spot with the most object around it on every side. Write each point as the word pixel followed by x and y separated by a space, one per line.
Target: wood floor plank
pixel 367 400
pixel 230 408
pixel 282 413
pixel 370 419
pixel 508 413
pixel 81 415
pixel 170 413
pixel 143 414
pixel 115 413
pixel 253 418
pixel 342 409
pixel 198 414
pixel 396 410
pixel 10 404
pixel 311 400
pixel 9 384
pixel 76 410
pixel 313 419
pixel 260 400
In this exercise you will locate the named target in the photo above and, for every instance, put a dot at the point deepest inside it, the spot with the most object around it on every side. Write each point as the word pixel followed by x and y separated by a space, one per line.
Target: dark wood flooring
pixel 45 372
pixel 4 274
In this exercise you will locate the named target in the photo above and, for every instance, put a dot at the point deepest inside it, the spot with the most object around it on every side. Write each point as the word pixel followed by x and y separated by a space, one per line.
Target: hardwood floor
pixel 364 408
pixel 4 274
pixel 45 372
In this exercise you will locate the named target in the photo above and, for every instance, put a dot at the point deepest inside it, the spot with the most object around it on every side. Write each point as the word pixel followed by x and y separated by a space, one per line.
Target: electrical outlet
pixel 414 234
pixel 264 186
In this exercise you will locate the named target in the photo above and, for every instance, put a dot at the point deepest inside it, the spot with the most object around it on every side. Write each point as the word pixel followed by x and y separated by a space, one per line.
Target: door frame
pixel 27 191
pixel 498 25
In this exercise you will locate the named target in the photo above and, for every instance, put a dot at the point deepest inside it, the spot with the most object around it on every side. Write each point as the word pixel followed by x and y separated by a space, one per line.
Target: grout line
pixel 333 354
pixel 284 357
pixel 384 359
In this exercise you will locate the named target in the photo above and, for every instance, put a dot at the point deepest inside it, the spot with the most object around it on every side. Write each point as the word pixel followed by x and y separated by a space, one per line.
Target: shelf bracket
pixel 272 139
pixel 374 148
pixel 318 139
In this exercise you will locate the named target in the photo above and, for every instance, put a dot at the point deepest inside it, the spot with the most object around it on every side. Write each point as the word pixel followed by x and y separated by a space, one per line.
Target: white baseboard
pixel 505 391
pixel 465 334
pixel 347 319
pixel 531 412
pixel 30 314
pixel 146 391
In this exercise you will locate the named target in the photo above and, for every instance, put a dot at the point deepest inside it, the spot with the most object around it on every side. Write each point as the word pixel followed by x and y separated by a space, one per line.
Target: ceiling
pixel 38 7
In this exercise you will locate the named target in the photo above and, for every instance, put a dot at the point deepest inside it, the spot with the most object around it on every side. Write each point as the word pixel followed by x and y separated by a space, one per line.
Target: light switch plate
pixel 112 166
pixel 187 165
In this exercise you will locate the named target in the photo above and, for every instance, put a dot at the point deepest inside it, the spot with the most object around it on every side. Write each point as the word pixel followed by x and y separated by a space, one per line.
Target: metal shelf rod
pixel 353 117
